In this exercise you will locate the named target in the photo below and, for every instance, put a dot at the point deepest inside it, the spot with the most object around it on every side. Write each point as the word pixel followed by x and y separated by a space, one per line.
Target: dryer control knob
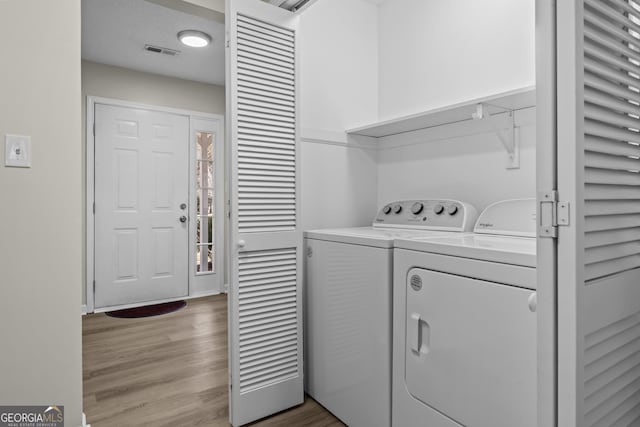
pixel 417 208
pixel 397 209
pixel 438 209
pixel 386 210
pixel 452 210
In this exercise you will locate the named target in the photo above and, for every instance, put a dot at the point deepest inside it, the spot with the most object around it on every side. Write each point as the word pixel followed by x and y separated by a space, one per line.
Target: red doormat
pixel 148 310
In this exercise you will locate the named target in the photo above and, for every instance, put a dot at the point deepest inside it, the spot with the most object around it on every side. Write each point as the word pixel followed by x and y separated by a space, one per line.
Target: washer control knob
pixel 438 209
pixel 397 209
pixel 452 210
pixel 386 210
pixel 417 208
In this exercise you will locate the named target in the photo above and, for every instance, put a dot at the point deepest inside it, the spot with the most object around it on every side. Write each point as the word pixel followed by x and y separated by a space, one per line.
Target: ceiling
pixel 114 32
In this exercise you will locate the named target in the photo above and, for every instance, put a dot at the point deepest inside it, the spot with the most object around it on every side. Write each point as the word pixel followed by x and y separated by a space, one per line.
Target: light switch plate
pixel 17 151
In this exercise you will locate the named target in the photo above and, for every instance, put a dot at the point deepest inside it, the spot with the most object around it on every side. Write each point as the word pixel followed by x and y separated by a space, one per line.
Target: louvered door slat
pixel 257 70
pixel 609 102
pixel 263 45
pixel 268 115
pixel 280 33
pixel 266 346
pixel 615 33
pixel 607 58
pixel 603 176
pixel 611 117
pixel 611 236
pixel 252 49
pixel 613 45
pixel 608 146
pixel 614 207
pixel 264 81
pixel 260 328
pixel 597 68
pixel 613 14
pixel 252 34
pixel 257 63
pixel 605 161
pixel 612 222
pixel 607 192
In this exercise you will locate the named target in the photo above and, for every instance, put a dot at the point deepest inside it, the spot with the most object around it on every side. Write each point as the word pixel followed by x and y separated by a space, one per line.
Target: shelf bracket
pixel 509 137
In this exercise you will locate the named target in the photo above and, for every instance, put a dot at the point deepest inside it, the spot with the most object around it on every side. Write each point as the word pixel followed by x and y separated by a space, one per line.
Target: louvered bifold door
pixel 599 174
pixel 265 304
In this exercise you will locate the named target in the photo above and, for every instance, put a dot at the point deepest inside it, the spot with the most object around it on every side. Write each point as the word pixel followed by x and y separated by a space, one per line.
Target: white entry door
pixel 265 299
pixel 141 211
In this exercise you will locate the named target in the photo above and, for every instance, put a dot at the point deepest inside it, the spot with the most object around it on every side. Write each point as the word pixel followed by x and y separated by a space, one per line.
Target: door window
pixel 205 249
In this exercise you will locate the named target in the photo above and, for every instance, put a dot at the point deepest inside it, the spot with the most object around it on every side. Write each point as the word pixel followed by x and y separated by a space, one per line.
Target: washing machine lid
pixel 503 249
pixel 515 217
pixel 369 236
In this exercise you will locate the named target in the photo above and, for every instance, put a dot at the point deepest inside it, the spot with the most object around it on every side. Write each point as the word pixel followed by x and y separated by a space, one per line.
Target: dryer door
pixel 470 349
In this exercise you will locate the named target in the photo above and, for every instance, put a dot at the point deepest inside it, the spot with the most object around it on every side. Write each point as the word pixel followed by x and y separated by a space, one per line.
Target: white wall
pixel 41 208
pixel 439 52
pixel 145 88
pixel 129 85
pixel 339 89
pixel 457 161
pixel 338 186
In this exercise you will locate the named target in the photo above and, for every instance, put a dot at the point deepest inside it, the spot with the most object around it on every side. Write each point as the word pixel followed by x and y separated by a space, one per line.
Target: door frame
pixel 546 182
pixel 219 196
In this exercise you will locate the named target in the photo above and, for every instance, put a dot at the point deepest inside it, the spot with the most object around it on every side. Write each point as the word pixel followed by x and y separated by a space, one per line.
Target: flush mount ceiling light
pixel 194 38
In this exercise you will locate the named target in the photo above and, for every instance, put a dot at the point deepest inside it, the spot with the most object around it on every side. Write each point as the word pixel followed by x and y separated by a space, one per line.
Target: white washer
pixel 464 324
pixel 348 299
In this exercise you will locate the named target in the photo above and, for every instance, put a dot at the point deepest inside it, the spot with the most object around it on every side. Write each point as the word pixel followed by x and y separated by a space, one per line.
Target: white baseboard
pixel 84 421
pixel 202 294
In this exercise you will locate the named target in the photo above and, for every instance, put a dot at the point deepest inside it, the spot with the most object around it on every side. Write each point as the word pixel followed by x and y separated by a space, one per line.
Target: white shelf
pixel 513 100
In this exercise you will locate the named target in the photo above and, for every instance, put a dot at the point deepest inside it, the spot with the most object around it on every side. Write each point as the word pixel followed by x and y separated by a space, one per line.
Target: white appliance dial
pixel 417 208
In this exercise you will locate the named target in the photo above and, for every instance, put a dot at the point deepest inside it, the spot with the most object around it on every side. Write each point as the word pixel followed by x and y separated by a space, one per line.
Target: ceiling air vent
pixel 163 50
pixel 292 5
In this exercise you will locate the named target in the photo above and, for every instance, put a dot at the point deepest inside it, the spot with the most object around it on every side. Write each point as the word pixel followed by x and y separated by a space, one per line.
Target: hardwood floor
pixel 168 370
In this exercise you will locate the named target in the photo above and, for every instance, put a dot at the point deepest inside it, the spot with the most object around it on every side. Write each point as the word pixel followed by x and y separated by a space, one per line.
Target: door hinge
pixel 94 287
pixel 94 208
pixel 551 214
pixel 94 129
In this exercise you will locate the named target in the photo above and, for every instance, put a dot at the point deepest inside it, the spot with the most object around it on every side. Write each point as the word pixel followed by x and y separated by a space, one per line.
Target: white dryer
pixel 464 324
pixel 348 299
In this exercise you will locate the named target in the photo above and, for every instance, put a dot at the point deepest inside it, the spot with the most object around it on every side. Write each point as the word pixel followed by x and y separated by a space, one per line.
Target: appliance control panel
pixel 428 214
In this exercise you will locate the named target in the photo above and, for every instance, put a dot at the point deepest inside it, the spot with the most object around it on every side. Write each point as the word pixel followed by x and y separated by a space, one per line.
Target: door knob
pixel 183 218
pixel 533 302
pixel 241 243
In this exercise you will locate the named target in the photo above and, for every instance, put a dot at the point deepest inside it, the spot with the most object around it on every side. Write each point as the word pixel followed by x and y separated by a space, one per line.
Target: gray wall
pixel 144 88
pixel 41 208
